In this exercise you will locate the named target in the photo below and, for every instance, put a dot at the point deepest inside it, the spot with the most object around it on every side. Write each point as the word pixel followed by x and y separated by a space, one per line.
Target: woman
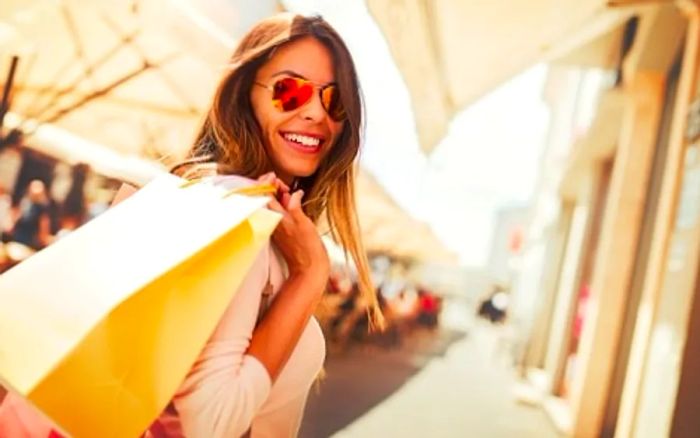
pixel 287 112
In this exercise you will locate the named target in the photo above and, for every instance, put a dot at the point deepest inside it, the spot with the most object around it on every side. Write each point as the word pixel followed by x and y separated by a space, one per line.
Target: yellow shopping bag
pixel 99 329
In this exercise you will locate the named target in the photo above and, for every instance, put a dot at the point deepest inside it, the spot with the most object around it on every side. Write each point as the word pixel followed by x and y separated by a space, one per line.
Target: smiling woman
pixel 287 112
pixel 295 121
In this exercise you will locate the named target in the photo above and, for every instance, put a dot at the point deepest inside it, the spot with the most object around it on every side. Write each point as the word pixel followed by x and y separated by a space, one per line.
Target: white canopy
pixel 451 52
pixel 135 76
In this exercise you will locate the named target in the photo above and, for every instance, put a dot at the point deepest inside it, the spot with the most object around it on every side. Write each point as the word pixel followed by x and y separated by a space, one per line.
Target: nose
pixel 313 110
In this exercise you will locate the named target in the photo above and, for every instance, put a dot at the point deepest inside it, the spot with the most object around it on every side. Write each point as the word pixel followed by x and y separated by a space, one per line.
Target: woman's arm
pixel 226 387
pixel 279 330
pixel 124 192
pixel 233 376
pixel 296 236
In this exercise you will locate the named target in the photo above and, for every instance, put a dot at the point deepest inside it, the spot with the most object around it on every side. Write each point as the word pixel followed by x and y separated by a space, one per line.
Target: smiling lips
pixel 307 143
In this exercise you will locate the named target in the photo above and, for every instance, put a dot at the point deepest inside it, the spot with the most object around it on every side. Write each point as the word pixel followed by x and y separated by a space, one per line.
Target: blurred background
pixel 529 194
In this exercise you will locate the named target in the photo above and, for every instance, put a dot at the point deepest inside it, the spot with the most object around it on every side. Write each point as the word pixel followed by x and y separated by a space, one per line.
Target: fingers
pixel 284 200
pixel 294 206
pixel 274 205
pixel 281 186
pixel 292 201
pixel 271 178
pixel 268 178
pixel 295 200
pixel 286 203
pixel 289 204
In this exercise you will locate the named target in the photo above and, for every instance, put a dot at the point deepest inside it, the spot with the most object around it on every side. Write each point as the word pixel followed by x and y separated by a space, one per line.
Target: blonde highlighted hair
pixel 230 139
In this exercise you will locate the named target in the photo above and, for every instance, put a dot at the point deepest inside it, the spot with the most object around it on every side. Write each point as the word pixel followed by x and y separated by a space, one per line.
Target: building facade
pixel 614 346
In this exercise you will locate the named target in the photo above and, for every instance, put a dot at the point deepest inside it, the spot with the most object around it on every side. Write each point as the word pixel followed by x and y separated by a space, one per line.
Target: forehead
pixel 307 57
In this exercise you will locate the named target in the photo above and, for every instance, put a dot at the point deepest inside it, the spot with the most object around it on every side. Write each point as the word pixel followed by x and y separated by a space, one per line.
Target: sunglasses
pixel 290 93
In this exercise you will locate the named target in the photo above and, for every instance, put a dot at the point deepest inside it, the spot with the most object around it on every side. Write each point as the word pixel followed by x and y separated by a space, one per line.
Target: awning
pixel 389 230
pixel 453 52
pixel 133 75
pixel 67 147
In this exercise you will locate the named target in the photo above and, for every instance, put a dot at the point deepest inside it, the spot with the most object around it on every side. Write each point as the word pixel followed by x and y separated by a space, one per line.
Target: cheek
pixel 263 110
pixel 266 119
pixel 258 111
pixel 336 129
pixel 335 136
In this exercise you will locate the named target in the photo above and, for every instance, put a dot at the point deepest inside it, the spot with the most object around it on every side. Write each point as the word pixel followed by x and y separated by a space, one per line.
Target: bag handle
pixel 252 190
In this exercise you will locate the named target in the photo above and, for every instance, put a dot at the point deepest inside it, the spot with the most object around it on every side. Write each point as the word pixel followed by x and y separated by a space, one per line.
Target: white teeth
pixel 303 139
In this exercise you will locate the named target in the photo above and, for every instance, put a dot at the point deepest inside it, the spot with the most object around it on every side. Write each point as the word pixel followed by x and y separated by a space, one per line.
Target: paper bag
pixel 99 329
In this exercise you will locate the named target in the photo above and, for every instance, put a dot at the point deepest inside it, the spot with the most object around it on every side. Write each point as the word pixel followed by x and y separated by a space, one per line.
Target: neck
pixel 286 178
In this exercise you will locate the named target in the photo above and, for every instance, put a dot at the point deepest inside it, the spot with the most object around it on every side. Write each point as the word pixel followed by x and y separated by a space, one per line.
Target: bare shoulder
pixel 124 192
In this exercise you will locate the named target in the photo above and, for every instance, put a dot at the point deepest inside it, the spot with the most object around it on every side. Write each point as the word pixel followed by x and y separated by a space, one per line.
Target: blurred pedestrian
pixel 13 140
pixel 495 306
pixel 74 208
pixel 429 306
pixel 31 224
pixel 5 210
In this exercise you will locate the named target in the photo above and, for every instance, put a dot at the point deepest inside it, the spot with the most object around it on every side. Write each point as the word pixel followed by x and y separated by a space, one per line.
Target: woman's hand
pixel 296 235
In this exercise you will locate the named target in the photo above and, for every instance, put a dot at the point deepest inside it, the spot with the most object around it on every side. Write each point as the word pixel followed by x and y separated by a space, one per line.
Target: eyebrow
pixel 298 75
pixel 289 73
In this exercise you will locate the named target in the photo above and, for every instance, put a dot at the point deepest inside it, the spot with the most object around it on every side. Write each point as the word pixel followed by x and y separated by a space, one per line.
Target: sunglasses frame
pixel 317 87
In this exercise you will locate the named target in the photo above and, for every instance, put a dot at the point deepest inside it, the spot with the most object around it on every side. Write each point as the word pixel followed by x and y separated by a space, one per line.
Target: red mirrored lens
pixel 291 93
pixel 331 102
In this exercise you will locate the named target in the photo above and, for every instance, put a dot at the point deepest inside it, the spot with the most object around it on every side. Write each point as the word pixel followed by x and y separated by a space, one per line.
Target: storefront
pixel 619 356
pixel 622 264
pixel 643 253
pixel 664 376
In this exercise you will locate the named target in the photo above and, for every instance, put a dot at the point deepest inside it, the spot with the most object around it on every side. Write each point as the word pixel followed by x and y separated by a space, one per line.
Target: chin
pixel 300 171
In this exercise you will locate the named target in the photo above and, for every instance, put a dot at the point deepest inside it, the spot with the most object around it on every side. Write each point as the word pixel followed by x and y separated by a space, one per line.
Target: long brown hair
pixel 231 138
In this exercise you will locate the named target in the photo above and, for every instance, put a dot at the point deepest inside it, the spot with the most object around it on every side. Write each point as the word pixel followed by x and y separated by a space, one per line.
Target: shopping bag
pixel 98 330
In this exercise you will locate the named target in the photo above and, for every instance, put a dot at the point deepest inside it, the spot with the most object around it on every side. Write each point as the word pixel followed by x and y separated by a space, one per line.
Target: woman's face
pixel 296 140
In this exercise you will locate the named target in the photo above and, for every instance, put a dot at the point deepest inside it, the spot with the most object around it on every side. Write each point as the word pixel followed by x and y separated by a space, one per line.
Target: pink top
pixel 227 392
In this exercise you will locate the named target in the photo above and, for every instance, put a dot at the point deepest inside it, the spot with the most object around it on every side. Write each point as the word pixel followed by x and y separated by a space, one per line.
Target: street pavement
pixel 453 382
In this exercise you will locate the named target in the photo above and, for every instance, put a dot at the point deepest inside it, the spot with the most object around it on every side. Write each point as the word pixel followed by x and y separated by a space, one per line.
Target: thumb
pixel 294 205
